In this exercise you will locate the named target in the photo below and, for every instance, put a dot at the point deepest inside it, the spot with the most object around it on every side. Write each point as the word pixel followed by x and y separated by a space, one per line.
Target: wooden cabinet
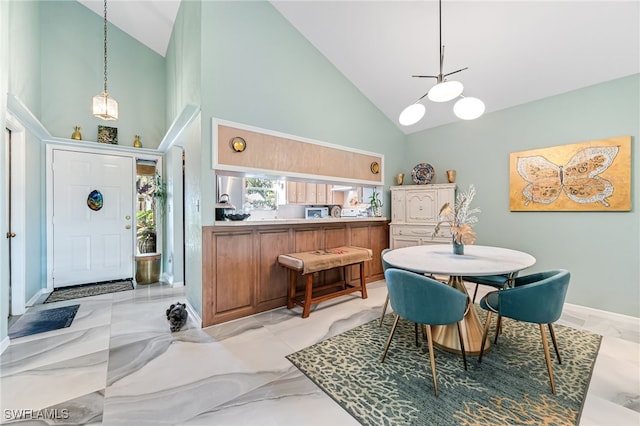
pixel 313 194
pixel 414 214
pixel 321 193
pixel 302 193
pixel 334 197
pixel 240 271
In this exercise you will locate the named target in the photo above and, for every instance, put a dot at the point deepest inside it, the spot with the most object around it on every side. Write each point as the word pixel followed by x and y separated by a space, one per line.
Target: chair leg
pixel 498 329
pixel 393 329
pixel 484 335
pixel 555 343
pixel 433 360
pixel 415 327
pixel 384 310
pixel 545 345
pixel 473 299
pixel 464 355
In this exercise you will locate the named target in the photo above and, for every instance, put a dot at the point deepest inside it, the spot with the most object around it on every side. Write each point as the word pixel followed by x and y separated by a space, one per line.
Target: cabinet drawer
pixel 420 231
pixel 412 231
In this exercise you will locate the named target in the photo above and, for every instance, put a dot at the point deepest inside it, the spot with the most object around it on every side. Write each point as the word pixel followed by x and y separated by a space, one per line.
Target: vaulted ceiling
pixel 517 51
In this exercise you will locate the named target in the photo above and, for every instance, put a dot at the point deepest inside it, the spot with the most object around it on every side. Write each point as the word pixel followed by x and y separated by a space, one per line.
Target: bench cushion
pixel 320 260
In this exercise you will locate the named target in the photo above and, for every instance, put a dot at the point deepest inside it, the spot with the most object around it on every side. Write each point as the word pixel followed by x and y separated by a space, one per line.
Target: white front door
pixel 92 242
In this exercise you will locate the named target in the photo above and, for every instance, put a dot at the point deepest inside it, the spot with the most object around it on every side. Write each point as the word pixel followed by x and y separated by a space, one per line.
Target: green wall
pixel 268 75
pixel 24 82
pixel 257 69
pixel 72 70
pixel 54 67
pixel 184 75
pixel 601 249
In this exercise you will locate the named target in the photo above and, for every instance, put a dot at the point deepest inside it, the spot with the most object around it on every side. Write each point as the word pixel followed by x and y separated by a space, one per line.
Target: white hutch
pixel 414 214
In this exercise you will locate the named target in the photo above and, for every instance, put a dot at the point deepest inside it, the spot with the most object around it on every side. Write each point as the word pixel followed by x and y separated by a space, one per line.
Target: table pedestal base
pixel 446 337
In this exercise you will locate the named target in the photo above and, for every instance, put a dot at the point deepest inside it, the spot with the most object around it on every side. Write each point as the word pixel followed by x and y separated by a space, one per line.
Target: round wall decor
pixel 238 144
pixel 95 200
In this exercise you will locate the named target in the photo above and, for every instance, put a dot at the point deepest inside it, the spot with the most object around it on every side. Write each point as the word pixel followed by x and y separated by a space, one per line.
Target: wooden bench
pixel 306 263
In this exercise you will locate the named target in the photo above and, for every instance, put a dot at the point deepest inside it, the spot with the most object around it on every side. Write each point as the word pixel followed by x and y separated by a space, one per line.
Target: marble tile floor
pixel 118 364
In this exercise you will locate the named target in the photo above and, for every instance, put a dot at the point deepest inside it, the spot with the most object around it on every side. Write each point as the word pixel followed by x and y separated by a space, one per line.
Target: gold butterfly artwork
pixel 578 178
pixel 587 176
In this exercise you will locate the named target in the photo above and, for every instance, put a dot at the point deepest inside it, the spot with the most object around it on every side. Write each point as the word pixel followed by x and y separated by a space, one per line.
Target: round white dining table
pixel 439 259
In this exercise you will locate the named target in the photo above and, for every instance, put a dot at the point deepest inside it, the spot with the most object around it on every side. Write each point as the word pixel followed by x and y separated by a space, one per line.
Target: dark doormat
pixel 86 290
pixel 34 322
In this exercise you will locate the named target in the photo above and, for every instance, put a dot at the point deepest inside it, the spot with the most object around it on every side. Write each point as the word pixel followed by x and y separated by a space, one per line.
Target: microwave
pixel 316 212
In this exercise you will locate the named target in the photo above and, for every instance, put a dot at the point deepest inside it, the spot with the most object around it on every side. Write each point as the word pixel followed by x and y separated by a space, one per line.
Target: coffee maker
pixel 223 206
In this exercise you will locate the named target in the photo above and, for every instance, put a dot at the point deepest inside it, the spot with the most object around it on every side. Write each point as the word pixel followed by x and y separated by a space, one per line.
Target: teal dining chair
pixel 425 301
pixel 537 298
pixel 496 281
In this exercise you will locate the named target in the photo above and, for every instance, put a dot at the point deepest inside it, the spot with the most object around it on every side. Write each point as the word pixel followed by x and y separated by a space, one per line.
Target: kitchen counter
pixel 240 271
pixel 299 221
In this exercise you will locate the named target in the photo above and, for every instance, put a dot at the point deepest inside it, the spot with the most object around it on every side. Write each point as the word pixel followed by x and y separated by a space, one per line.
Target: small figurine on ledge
pixel 137 143
pixel 76 134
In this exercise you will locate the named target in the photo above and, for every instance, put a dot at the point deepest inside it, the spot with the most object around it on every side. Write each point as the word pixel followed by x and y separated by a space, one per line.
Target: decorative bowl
pixel 237 216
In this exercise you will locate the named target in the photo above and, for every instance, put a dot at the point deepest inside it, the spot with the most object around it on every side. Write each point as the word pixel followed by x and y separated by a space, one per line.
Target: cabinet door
pixel 335 237
pixel 306 240
pixel 334 197
pixel 234 274
pixel 446 195
pixel 309 193
pixel 422 206
pixel 397 206
pixel 272 278
pixel 359 237
pixel 292 193
pixel 321 193
pixel 301 192
pixel 378 242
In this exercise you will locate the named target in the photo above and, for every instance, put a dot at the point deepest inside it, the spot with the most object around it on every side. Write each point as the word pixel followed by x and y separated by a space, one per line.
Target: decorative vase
pixel 451 176
pixel 76 134
pixel 378 211
pixel 400 178
pixel 137 143
pixel 458 248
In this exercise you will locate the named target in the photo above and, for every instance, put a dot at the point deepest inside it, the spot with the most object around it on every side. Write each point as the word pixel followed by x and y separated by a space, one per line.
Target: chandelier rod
pixel 105 46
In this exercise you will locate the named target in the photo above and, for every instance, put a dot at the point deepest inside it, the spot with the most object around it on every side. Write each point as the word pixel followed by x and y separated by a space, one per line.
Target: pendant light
pixel 467 108
pixel 104 106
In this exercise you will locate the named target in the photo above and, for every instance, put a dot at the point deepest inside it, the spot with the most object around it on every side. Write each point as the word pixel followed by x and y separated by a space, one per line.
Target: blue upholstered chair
pixel 425 301
pixel 385 266
pixel 496 281
pixel 536 298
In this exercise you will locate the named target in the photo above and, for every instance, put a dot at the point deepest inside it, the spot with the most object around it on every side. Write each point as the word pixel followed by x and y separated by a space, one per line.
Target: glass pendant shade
pixel 445 91
pixel 105 107
pixel 412 114
pixel 468 108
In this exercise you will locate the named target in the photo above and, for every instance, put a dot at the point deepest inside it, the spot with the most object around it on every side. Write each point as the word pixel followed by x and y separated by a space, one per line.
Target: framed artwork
pixel 108 134
pixel 587 176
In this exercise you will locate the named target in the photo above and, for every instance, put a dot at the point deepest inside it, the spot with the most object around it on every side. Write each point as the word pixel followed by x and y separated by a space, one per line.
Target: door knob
pixel 127 227
pixel 127 217
pixel 11 234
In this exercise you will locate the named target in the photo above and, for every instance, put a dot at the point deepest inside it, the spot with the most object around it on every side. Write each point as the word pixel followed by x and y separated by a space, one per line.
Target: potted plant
pixel 375 203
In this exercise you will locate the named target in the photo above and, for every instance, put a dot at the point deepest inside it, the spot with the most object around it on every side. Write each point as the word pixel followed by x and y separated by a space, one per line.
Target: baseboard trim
pixel 4 344
pixel 37 298
pixel 194 314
